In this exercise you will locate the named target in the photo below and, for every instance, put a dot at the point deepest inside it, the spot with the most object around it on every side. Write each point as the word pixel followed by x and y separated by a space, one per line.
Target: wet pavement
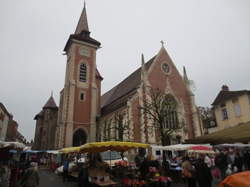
pixel 50 179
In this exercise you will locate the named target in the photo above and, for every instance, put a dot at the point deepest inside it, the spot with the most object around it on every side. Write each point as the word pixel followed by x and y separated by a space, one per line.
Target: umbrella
pixel 112 146
pixel 241 179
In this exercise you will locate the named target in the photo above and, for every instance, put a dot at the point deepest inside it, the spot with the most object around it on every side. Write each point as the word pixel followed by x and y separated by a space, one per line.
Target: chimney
pixel 224 88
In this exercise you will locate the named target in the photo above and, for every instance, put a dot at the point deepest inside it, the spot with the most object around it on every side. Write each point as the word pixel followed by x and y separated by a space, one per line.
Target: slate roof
pixel 126 86
pixel 50 103
pixel 81 37
pixel 40 114
pixel 4 109
pixel 226 95
pixel 82 32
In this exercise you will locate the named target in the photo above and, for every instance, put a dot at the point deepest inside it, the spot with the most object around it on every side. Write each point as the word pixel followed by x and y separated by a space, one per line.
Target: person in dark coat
pixel 83 177
pixel 238 162
pixel 140 157
pixel 247 160
pixel 221 163
pixel 203 174
pixel 30 177
pixel 65 170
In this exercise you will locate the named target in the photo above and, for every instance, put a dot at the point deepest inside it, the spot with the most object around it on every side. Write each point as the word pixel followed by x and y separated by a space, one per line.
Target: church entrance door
pixel 79 138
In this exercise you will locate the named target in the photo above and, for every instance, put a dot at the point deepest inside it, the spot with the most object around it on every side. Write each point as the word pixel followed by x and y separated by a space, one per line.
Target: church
pixel 84 115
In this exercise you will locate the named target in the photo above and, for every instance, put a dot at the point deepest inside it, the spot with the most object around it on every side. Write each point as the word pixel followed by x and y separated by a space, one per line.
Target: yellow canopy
pixel 70 150
pixel 112 146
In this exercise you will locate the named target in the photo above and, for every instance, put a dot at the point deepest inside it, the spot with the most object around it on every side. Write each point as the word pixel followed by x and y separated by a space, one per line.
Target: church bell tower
pixel 80 98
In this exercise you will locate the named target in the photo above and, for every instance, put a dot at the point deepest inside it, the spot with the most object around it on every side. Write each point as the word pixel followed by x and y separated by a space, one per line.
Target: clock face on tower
pixel 165 67
pixel 84 52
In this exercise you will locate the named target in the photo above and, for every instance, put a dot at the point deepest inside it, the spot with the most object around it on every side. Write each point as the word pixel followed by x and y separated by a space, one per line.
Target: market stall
pixel 100 175
pixel 201 149
pixel 14 145
pixel 124 173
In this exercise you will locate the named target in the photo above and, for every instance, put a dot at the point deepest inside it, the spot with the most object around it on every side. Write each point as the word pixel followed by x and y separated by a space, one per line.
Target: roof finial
pixel 51 93
pixel 142 67
pixel 162 43
pixel 185 77
pixel 142 60
pixel 84 4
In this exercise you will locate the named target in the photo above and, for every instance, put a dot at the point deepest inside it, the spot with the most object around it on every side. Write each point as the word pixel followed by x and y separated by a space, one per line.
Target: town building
pixel 5 116
pixel 86 116
pixel 46 122
pixel 231 108
pixel 12 131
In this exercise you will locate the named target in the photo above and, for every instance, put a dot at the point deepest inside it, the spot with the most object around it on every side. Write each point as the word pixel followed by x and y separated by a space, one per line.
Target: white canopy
pixel 14 144
pixel 53 151
pixel 177 147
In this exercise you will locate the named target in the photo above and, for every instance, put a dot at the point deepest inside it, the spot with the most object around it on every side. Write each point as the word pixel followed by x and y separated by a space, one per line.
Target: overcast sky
pixel 210 37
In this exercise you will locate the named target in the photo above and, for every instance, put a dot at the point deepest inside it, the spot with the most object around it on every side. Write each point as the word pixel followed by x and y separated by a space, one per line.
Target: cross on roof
pixel 162 43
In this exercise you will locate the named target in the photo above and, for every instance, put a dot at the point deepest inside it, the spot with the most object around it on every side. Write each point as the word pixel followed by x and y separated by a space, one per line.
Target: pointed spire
pixel 51 93
pixel 142 67
pixel 142 60
pixel 185 77
pixel 82 25
pixel 50 103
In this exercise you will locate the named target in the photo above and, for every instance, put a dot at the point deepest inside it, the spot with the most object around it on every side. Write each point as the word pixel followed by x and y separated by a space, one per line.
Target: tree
pixel 207 117
pixel 118 125
pixel 161 108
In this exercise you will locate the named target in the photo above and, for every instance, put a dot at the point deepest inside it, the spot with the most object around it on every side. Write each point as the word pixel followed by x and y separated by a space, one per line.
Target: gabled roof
pixel 50 104
pixel 5 110
pixel 226 95
pixel 98 75
pixel 126 86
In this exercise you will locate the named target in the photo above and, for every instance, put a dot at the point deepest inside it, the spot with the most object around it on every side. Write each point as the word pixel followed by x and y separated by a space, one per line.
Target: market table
pixel 104 183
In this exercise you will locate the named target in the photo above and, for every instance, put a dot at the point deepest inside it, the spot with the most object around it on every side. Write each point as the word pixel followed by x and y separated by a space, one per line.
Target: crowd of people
pixel 18 174
pixel 197 170
pixel 204 169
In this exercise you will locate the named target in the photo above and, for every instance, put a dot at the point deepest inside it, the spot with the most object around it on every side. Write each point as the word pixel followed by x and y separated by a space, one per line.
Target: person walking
pixel 188 172
pixel 65 169
pixel 4 175
pixel 221 163
pixel 30 177
pixel 238 162
pixel 203 174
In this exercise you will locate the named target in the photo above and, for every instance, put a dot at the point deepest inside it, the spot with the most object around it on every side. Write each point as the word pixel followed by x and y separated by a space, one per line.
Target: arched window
pixel 79 137
pixel 83 73
pixel 170 112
